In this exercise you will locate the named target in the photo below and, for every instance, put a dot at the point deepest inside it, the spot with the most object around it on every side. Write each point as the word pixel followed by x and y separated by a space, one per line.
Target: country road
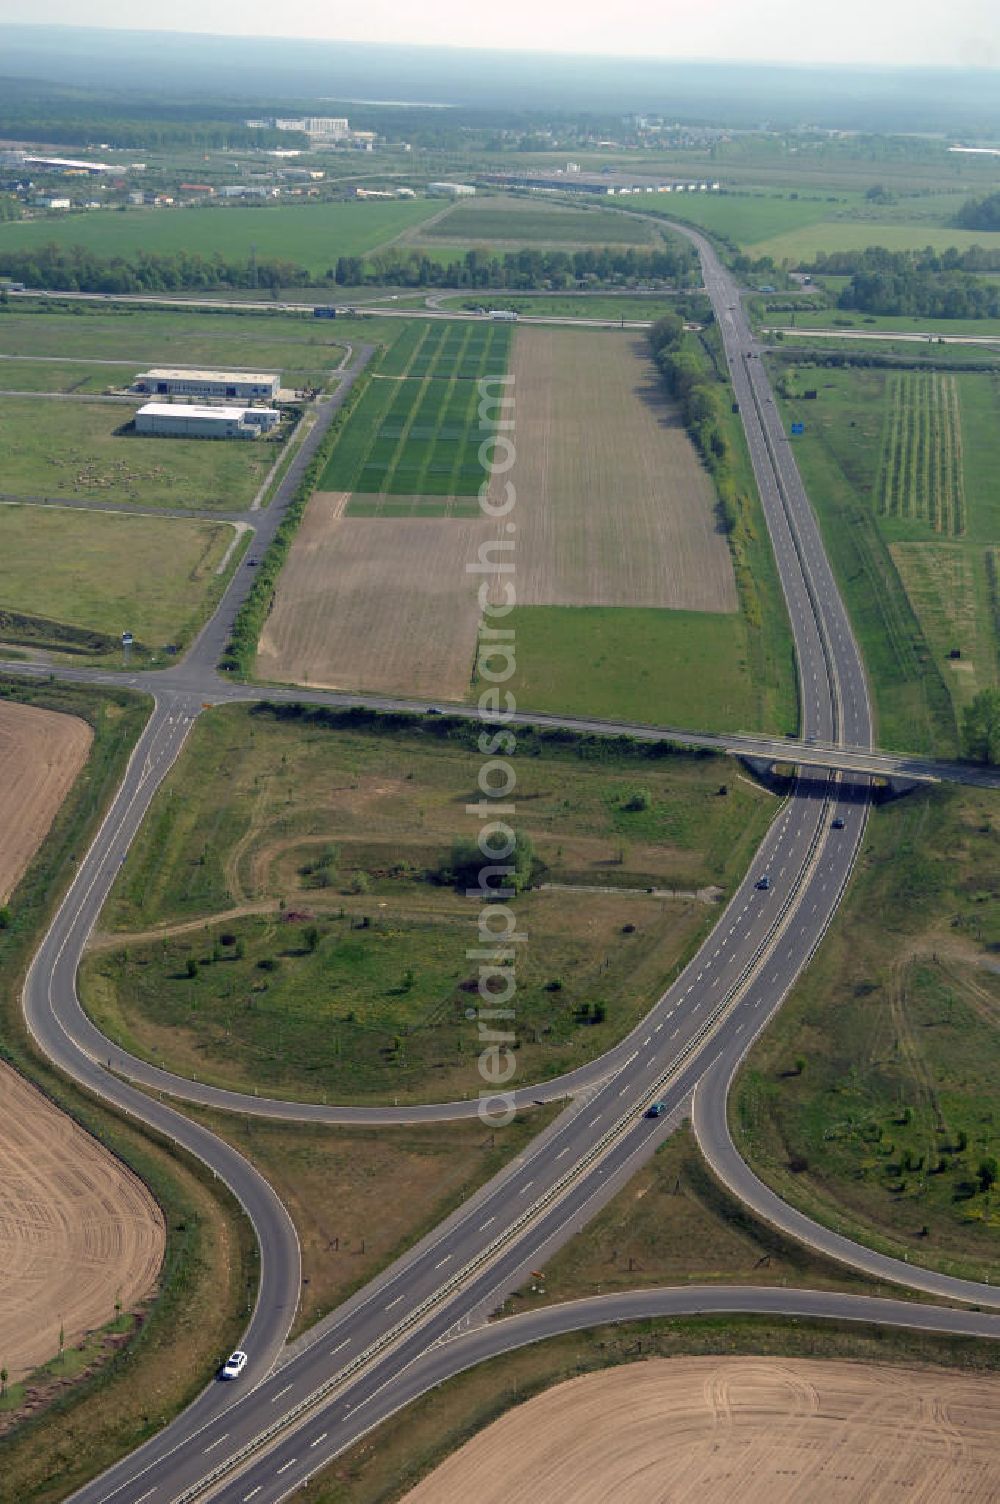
pixel 359 1361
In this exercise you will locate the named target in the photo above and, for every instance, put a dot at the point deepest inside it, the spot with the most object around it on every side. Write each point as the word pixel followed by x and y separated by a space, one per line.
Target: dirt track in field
pixel 78 1231
pixel 376 604
pixel 737 1431
pixel 41 752
pixel 613 505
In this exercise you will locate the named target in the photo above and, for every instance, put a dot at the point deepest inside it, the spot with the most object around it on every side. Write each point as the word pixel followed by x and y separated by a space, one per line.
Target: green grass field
pixel 747 218
pixel 138 337
pixel 358 986
pixel 23 375
pixel 433 347
pixel 520 221
pixel 77 449
pixel 311 235
pixel 416 431
pixel 412 439
pixel 801 245
pixel 107 573
pixel 898 465
pixel 883 1130
pixel 684 668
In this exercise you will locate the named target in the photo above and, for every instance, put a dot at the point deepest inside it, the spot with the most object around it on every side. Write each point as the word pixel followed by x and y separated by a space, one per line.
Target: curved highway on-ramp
pixel 693 1034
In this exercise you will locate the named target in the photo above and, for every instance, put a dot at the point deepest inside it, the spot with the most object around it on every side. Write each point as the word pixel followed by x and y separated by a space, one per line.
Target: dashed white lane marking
pixel 212 1444
pixel 486 1223
pixel 442 1261
pixel 285 1466
pixel 394 1303
pixel 319 1439
pixel 280 1392
pixel 526 1187
pixel 339 1346
pixel 560 1155
pixel 246 1496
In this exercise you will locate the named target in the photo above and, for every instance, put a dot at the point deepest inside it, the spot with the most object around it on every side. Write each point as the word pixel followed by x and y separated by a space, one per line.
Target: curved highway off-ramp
pixel 276 1474
pixel 737 980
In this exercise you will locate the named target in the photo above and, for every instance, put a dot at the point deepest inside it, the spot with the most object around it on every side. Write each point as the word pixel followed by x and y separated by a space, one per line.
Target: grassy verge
pixel 102 1401
pixel 872 1100
pixel 674 1224
pixel 360 1197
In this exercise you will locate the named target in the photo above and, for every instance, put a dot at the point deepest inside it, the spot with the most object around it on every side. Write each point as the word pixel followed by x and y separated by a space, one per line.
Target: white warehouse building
pixel 185 420
pixel 249 386
pixel 451 190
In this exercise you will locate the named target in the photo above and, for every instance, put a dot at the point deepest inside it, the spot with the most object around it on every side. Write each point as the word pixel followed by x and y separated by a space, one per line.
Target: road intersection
pixel 261 1440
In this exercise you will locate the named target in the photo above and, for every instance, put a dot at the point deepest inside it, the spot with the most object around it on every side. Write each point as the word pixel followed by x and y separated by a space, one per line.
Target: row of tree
pixel 73 268
pixel 696 393
pixel 876 258
pixel 518 270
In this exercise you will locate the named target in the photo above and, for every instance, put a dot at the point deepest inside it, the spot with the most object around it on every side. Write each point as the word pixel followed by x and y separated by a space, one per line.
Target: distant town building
pixel 450 190
pixel 252 386
pixel 45 201
pixel 316 127
pixel 185 420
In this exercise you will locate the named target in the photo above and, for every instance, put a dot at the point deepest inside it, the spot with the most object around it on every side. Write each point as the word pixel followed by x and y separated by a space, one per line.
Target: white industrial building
pixel 251 386
pixel 451 190
pixel 185 420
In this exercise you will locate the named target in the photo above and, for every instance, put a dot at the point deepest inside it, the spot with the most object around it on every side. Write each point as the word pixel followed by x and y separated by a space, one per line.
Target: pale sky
pixel 963 32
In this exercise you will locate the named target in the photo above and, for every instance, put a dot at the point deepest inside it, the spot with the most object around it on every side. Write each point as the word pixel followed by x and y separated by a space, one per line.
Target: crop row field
pixel 626 598
pixel 411 438
pixel 310 235
pixel 434 347
pixel 530 221
pixel 922 473
pixel 898 465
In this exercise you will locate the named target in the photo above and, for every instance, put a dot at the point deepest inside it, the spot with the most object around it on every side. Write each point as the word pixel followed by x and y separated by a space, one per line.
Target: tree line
pixel 74 268
pixel 518 270
pixel 918 284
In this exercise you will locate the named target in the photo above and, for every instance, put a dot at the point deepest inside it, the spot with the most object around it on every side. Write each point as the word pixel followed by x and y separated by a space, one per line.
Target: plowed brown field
pixel 78 1231
pixel 41 753
pixel 614 507
pixel 736 1431
pixel 376 604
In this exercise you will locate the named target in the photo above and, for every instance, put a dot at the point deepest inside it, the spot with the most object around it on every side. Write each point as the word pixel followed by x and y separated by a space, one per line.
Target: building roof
pixel 192 410
pixel 167 373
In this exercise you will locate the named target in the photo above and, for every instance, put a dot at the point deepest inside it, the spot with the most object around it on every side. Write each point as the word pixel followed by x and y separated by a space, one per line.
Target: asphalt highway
pixel 705 1021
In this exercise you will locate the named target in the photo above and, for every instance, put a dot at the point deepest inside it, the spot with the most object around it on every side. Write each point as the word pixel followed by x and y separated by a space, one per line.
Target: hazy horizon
pixel 869 33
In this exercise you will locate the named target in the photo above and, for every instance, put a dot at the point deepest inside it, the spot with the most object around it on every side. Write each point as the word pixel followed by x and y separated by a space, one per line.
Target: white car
pixel 234 1365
